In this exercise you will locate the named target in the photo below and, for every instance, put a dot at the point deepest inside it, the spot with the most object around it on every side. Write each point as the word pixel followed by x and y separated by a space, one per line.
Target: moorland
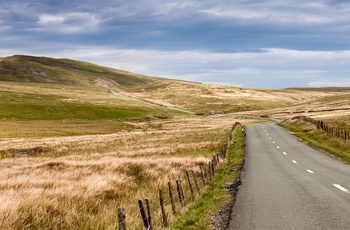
pixel 78 140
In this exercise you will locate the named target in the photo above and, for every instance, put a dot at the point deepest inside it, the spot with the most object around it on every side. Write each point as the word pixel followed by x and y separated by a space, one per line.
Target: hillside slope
pixel 191 96
pixel 21 68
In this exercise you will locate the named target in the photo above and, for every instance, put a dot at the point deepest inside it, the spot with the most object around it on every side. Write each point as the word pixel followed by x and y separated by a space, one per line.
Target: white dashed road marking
pixel 341 188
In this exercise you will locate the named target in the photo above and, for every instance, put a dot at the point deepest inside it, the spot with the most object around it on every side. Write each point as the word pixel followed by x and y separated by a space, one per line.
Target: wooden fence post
pixel 121 219
pixel 209 174
pixel 143 214
pixel 149 219
pixel 214 163
pixel 202 174
pixel 161 201
pixel 196 183
pixel 171 198
pixel 179 192
pixel 212 168
pixel 190 184
pixel 182 192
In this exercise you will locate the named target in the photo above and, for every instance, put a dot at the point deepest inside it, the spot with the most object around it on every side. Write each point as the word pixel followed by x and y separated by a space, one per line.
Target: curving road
pixel 288 185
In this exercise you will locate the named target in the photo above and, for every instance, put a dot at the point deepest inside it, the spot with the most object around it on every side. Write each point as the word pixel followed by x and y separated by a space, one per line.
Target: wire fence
pixel 174 198
pixel 321 125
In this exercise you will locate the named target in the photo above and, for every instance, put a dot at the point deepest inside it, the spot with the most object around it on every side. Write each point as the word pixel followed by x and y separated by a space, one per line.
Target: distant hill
pixel 20 68
pixel 127 88
pixel 324 89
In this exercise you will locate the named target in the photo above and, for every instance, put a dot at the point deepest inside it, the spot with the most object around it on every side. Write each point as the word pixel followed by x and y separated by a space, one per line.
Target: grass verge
pixel 200 214
pixel 319 139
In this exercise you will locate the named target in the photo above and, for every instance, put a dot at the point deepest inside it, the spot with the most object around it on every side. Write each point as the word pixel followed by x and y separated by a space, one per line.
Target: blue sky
pixel 246 43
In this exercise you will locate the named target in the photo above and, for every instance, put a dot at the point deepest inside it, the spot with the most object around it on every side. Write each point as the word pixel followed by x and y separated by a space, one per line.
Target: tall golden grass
pixel 84 179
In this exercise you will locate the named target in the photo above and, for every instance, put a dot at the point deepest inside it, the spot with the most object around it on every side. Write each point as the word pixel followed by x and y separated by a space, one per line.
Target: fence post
pixel 209 174
pixel 196 183
pixel 189 182
pixel 182 192
pixel 121 219
pixel 318 124
pixel 143 214
pixel 161 201
pixel 212 164
pixel 171 198
pixel 345 137
pixel 202 174
pixel 149 219
pixel 179 192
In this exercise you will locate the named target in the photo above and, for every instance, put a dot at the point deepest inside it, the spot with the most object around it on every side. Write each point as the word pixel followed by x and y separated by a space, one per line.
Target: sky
pixel 244 43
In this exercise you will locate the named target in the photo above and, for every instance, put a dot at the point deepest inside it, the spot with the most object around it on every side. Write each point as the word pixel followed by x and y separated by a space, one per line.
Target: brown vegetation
pixel 83 179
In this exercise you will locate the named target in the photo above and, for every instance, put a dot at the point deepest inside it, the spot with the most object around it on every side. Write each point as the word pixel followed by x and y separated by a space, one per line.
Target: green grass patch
pixel 25 106
pixel 25 111
pixel 198 215
pixel 319 139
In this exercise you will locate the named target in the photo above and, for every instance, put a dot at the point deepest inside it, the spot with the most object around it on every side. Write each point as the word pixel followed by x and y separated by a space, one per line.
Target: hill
pixel 21 68
pixel 69 89
pixel 191 96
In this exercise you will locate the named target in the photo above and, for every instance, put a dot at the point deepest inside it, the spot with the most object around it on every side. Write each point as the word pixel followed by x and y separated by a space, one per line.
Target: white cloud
pixel 166 8
pixel 69 22
pixel 45 20
pixel 330 83
pixel 268 68
pixel 279 12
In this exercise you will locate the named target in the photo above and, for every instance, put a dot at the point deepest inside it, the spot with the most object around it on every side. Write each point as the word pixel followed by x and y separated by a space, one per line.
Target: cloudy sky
pixel 247 43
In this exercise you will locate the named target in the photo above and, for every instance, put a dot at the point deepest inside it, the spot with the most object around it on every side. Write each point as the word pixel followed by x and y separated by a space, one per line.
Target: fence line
pixel 182 192
pixel 321 125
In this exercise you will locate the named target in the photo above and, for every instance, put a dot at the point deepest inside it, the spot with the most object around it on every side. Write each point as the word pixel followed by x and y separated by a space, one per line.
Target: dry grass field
pixel 331 106
pixel 74 174
pixel 82 180
pixel 220 99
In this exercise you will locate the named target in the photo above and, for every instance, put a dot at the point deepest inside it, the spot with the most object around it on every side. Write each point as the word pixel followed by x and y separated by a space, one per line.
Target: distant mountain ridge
pixel 21 68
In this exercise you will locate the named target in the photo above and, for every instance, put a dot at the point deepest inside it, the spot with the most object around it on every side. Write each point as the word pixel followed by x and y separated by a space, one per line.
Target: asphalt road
pixel 288 185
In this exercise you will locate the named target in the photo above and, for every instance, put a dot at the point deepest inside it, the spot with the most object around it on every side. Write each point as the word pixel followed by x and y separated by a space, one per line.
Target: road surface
pixel 288 185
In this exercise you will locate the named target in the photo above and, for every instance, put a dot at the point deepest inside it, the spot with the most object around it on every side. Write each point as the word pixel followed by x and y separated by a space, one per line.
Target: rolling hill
pixel 41 88
pixel 21 68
